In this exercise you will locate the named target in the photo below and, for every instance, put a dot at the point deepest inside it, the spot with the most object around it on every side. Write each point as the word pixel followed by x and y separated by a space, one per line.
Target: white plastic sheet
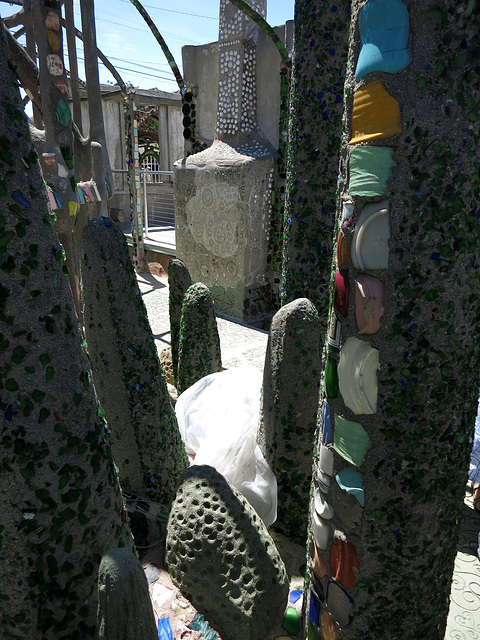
pixel 218 419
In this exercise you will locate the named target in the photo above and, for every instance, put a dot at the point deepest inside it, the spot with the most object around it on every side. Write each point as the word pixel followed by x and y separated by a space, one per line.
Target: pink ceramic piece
pixel 87 190
pixel 61 85
pixel 51 200
pixel 340 294
pixel 52 21
pixel 369 295
pixel 54 65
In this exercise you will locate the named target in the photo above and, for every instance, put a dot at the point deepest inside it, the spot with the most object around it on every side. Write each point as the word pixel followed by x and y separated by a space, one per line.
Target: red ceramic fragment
pixel 61 85
pixel 340 293
pixel 344 563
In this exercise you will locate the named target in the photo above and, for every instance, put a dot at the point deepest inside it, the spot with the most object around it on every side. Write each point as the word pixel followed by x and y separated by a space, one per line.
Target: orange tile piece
pixel 318 563
pixel 344 562
pixel 376 114
pixel 343 252
pixel 328 627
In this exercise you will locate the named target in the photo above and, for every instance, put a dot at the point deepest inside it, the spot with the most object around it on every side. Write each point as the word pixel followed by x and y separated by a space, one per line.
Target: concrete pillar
pixel 318 76
pixel 289 410
pixel 178 282
pixel 401 398
pixel 61 501
pixel 163 138
pixel 223 195
pixel 199 344
pixel 130 383
pixel 124 607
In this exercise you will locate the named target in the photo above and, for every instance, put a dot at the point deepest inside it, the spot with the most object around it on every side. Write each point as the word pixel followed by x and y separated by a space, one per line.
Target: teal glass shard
pixel 370 171
pixel 383 28
pixel 350 440
pixel 351 481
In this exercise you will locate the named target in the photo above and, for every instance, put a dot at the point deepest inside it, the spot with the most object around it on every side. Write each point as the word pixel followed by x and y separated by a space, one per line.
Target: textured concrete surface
pixel 222 557
pixel 244 345
pixel 198 344
pixel 289 410
pixel 124 610
pixel 128 378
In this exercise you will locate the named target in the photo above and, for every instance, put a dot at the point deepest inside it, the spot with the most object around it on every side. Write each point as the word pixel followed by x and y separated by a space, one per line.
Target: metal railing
pixel 157 201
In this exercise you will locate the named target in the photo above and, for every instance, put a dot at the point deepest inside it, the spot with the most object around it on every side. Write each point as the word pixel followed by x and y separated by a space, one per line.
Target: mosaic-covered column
pixel 400 389
pixel 223 194
pixel 318 76
pixel 136 215
pixel 57 149
pixel 61 501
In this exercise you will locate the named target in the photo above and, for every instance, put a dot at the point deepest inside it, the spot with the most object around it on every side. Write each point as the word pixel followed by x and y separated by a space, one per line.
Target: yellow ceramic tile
pixel 376 114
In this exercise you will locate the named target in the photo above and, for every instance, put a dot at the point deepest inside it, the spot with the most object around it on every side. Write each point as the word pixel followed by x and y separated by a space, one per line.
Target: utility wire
pixel 183 13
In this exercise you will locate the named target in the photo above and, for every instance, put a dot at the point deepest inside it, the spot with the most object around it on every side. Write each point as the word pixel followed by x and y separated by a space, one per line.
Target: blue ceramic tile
pixel 383 28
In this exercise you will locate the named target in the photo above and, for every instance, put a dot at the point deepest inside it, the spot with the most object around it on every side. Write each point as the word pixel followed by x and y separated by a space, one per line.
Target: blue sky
pixel 124 37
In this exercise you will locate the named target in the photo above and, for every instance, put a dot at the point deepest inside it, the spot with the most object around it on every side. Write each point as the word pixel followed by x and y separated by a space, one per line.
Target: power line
pixel 134 62
pixel 142 73
pixel 183 13
pixel 143 29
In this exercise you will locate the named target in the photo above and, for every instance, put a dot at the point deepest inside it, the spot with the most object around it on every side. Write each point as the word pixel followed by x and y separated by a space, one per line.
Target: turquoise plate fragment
pixel 351 481
pixel 370 170
pixel 383 28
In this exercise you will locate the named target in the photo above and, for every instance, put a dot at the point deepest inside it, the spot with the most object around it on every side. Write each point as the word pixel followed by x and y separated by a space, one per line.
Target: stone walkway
pixel 242 345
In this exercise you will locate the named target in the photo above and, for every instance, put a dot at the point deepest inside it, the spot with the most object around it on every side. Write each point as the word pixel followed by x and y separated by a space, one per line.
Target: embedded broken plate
pixel 383 26
pixel 376 114
pixel 344 562
pixel 340 603
pixel 351 441
pixel 369 295
pixel 370 240
pixel 370 170
pixel 323 481
pixel 54 64
pixel 357 376
pixel 348 210
pixel 351 481
pixel 321 531
pixel 322 507
pixel 326 460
